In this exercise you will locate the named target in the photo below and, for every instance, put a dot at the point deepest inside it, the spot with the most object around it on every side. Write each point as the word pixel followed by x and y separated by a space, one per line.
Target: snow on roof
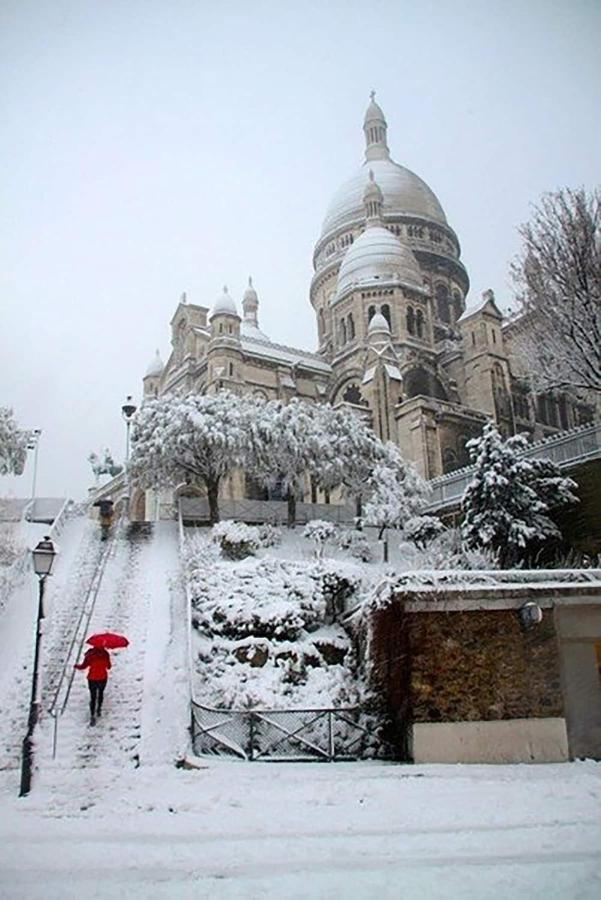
pixel 281 353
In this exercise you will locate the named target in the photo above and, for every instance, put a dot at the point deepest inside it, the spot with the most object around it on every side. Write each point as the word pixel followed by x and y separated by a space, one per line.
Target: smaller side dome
pixel 378 323
pixel 224 305
pixel 155 366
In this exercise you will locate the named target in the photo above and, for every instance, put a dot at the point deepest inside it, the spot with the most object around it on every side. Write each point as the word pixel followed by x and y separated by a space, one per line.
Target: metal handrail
pixel 56 708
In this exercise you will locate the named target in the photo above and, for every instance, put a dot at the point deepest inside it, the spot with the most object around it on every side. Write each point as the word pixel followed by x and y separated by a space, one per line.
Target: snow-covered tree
pixel 397 493
pixel 558 280
pixel 13 444
pixel 320 532
pixel 287 442
pixel 192 437
pixel 351 451
pixel 506 504
pixel 420 530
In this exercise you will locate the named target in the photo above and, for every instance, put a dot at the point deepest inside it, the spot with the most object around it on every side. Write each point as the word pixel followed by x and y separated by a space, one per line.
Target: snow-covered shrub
pixel 422 529
pixel 264 598
pixel 320 532
pixel 337 582
pixel 236 539
pixel 447 552
pixel 357 544
pixel 269 535
pixel 10 547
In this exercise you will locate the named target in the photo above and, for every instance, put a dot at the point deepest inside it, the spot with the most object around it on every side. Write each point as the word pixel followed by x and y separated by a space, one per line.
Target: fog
pixel 151 148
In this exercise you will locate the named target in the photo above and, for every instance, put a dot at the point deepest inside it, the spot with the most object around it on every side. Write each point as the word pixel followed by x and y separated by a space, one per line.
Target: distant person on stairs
pixel 98 661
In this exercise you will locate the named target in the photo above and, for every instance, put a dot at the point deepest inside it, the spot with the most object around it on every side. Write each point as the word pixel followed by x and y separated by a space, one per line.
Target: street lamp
pixel 33 444
pixel 127 411
pixel 43 558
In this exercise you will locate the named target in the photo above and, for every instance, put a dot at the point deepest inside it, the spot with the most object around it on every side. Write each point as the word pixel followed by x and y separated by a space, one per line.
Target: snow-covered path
pixel 356 830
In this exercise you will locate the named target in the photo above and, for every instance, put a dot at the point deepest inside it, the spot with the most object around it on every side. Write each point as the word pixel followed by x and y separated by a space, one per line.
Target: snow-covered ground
pixel 356 830
pixel 114 816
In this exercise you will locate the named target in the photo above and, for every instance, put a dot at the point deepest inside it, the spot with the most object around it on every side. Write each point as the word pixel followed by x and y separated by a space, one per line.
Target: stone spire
pixel 373 201
pixel 375 127
pixel 250 305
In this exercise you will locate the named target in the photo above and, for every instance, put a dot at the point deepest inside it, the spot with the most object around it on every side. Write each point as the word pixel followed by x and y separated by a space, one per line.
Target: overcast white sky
pixel 155 147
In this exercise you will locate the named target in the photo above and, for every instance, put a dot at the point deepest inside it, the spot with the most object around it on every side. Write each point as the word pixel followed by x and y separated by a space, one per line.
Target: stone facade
pixel 396 341
pixel 462 679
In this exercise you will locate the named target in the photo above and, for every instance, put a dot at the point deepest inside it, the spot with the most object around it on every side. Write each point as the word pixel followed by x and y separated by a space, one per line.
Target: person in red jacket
pixel 98 662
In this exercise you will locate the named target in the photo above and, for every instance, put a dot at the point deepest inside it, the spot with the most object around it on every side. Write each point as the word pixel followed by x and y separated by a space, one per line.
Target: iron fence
pixel 290 734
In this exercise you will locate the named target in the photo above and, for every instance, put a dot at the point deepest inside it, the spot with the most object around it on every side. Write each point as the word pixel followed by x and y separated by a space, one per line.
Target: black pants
pixel 96 694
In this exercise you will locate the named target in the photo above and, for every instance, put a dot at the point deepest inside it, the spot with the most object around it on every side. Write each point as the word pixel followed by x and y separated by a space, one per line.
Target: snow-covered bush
pixel 446 551
pixel 269 535
pixel 236 539
pixel 320 532
pixel 337 582
pixel 357 544
pixel 264 598
pixel 422 529
pixel 10 546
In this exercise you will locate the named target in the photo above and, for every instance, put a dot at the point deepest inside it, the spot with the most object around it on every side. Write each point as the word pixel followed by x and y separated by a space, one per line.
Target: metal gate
pixel 285 734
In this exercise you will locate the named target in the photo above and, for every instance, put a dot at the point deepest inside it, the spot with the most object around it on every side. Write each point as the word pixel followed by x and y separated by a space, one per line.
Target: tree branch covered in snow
pixel 13 444
pixel 506 505
pixel 558 281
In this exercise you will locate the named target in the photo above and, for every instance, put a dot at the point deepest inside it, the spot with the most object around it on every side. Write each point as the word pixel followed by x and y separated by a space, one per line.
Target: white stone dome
pixel 404 194
pixel 378 256
pixel 156 366
pixel 224 305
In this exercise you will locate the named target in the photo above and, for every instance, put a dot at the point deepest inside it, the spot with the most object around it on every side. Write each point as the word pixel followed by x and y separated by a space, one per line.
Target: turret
pixel 375 128
pixel 152 378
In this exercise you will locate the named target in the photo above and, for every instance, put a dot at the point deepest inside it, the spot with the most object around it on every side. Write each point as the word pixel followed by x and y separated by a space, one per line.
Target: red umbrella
pixel 108 639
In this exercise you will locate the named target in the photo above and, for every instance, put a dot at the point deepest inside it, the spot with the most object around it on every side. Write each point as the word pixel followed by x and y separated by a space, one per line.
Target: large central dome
pixel 404 194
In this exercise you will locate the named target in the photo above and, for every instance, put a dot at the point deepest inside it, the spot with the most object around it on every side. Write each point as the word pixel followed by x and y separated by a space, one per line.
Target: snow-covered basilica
pixel 397 342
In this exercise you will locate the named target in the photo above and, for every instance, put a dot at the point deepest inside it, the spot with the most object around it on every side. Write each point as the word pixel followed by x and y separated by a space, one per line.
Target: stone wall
pixel 472 665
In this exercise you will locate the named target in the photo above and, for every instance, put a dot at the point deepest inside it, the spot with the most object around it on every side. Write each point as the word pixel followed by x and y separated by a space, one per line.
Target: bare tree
pixel 558 280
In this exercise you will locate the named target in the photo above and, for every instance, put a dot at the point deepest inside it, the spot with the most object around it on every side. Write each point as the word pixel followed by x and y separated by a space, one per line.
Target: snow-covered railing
pixel 188 613
pixel 115 486
pixel 566 449
pixel 328 734
pixel 496 578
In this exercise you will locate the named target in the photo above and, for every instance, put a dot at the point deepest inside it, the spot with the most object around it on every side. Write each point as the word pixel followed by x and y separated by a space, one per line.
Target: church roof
pixel 266 349
pixel 156 365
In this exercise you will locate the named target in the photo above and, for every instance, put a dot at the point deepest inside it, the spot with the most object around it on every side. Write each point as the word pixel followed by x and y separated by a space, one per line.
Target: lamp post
pixel 43 558
pixel 33 444
pixel 127 411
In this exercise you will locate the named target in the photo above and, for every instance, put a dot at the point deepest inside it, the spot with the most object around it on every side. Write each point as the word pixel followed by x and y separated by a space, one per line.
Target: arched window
pixel 221 328
pixel 231 370
pixel 442 303
pixel 342 331
pixel 351 327
pixel 371 311
pixel 457 304
pixel 385 310
pixel 410 320
pixel 419 323
pixel 352 394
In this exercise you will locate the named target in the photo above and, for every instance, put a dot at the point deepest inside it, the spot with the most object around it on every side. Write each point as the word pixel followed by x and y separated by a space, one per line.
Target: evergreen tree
pixel 506 504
